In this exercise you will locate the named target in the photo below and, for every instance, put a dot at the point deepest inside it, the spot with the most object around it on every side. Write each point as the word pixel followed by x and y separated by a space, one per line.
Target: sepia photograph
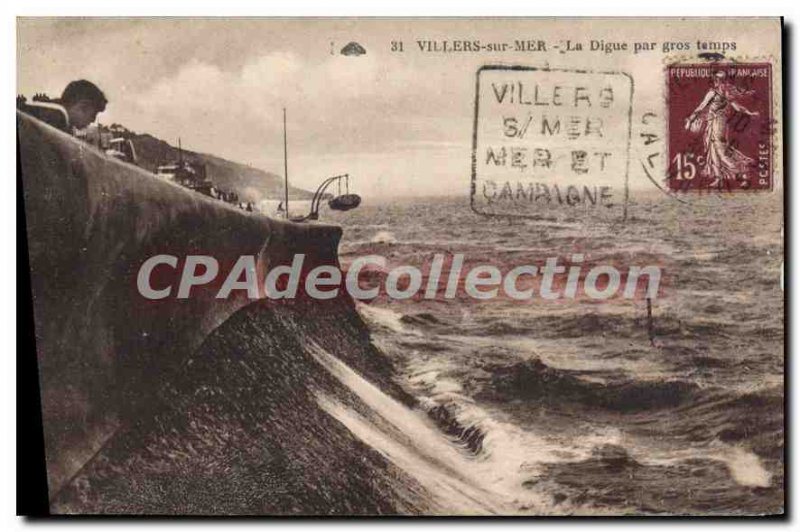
pixel 402 266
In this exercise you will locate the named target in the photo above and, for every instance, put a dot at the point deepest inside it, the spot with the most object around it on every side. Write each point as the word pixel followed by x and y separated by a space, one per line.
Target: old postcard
pixel 397 266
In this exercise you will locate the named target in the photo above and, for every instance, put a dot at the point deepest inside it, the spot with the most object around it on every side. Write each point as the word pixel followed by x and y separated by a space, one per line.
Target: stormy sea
pixel 462 406
pixel 567 407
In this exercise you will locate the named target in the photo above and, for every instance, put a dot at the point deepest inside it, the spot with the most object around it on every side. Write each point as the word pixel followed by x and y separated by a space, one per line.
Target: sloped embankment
pixel 205 405
pixel 91 222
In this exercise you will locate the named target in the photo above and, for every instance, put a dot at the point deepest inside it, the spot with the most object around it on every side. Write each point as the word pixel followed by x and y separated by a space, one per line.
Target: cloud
pixel 339 106
pixel 399 122
pixel 223 93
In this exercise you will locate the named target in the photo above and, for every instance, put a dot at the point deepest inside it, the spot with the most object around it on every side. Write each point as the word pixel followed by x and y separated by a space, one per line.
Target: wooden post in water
pixel 285 169
pixel 650 329
pixel 625 201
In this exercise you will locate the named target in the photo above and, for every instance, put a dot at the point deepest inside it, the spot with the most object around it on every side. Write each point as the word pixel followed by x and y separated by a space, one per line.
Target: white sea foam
pixel 415 444
pixel 510 455
pixel 746 468
pixel 382 317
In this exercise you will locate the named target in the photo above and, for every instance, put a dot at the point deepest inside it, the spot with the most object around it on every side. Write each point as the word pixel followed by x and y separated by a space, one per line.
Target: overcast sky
pixel 399 123
pixel 221 87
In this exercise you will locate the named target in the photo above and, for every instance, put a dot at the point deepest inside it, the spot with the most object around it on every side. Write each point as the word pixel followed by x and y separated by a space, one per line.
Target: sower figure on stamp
pixel 722 159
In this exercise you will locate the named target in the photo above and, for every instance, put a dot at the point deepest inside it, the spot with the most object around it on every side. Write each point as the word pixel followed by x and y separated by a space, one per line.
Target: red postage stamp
pixel 719 127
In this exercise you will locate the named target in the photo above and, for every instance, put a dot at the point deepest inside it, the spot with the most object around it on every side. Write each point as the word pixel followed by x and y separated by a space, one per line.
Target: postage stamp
pixel 549 138
pixel 719 127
